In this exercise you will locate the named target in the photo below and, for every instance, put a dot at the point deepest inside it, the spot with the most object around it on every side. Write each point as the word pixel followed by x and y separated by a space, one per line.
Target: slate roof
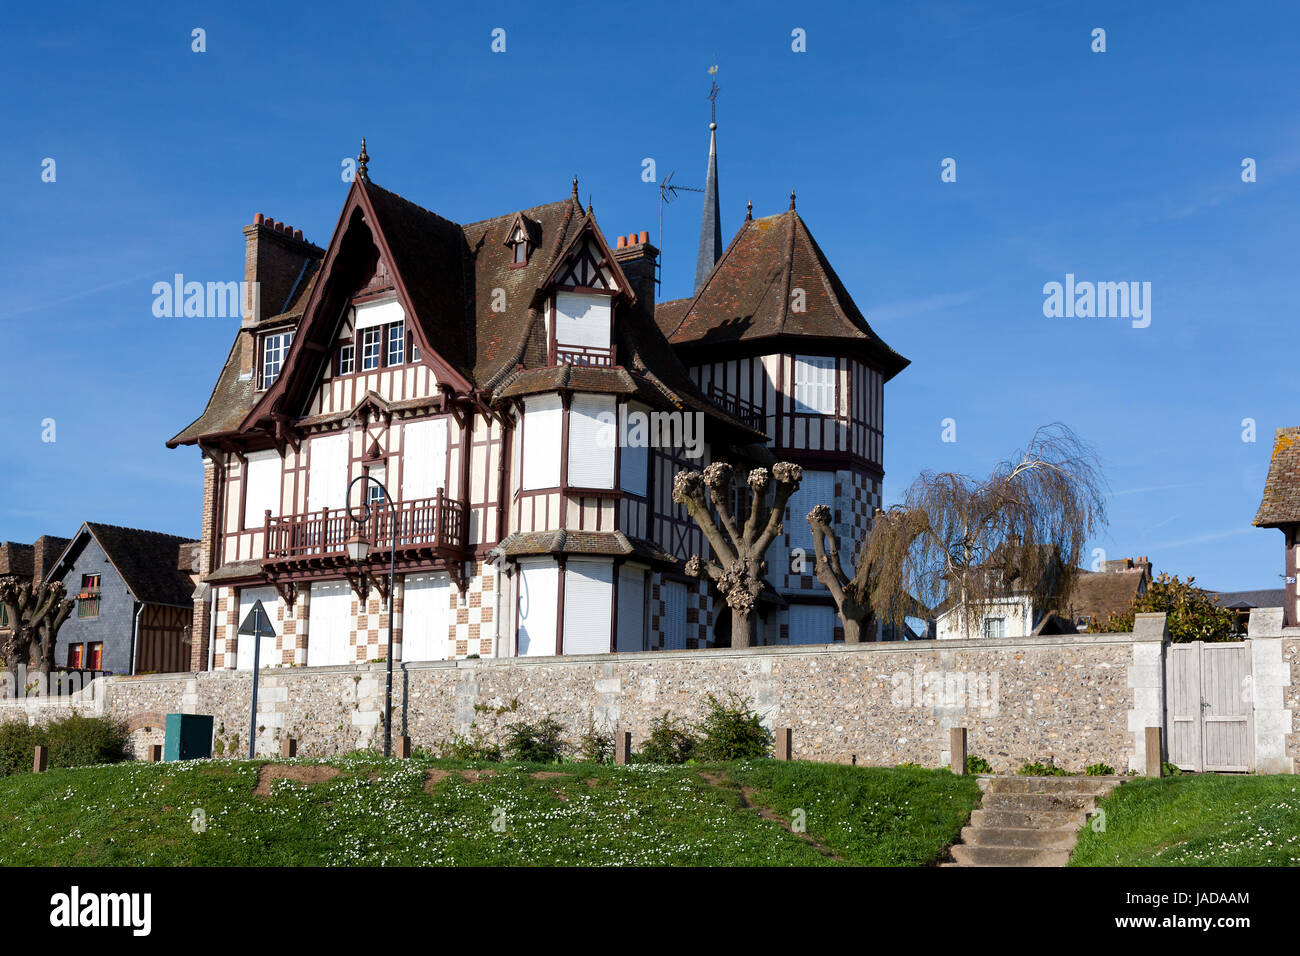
pixel 747 297
pixel 149 562
pixel 1281 502
pixel 1266 597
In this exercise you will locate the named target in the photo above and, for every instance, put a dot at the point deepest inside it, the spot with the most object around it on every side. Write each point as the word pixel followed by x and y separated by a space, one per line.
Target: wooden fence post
pixel 1155 752
pixel 155 753
pixel 40 758
pixel 403 746
pixel 622 746
pixel 289 747
pixel 957 749
pixel 784 739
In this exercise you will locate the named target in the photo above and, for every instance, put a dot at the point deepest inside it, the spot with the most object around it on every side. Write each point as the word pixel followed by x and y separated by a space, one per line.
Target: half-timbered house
pixel 512 386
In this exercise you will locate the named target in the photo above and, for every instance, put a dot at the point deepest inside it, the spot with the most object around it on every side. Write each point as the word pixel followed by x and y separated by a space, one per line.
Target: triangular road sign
pixel 258 623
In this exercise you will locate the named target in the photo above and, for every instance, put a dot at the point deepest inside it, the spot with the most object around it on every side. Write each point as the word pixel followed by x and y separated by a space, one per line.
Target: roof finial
pixel 588 204
pixel 792 199
pixel 362 160
pixel 575 187
pixel 749 210
pixel 713 96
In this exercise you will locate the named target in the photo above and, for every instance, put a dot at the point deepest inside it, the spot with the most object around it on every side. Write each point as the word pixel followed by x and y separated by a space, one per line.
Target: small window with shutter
pixel 815 384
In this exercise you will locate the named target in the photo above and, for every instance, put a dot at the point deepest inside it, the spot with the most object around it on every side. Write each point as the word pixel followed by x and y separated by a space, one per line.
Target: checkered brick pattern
pixel 472 627
pixel 699 614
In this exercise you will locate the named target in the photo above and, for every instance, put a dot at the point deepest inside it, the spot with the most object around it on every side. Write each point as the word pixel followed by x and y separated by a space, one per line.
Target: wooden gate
pixel 1209 707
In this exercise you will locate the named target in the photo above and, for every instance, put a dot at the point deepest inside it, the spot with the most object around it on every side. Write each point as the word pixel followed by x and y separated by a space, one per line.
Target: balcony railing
pixel 585 355
pixel 747 413
pixel 436 524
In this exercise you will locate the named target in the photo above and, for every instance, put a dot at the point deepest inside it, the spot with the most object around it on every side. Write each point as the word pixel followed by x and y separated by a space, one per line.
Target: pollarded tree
pixel 35 613
pixel 965 542
pixel 739 565
pixel 852 595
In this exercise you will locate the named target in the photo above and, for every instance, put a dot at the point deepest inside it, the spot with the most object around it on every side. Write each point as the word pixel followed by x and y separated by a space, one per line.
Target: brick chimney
pixel 45 552
pixel 274 257
pixel 636 257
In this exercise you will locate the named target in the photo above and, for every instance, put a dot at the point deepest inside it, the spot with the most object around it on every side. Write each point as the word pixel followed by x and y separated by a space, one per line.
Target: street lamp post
pixel 358 551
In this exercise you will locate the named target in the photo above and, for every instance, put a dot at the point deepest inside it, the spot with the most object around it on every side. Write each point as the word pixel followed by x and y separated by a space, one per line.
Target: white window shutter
pixel 588 605
pixel 263 474
pixel 329 626
pixel 542 441
pixel 327 475
pixel 591 441
pixel 674 619
pixel 538 602
pixel 424 458
pixel 426 606
pixel 631 609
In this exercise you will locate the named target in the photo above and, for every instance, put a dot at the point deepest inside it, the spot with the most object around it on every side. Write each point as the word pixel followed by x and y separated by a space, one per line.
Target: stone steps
pixel 1028 821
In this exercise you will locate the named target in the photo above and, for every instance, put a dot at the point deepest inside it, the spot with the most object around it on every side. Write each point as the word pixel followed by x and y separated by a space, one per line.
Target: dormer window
pixel 274 349
pixel 517 240
pixel 582 329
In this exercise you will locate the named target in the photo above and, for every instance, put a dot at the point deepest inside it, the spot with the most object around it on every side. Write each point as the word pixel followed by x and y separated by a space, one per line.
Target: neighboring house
pixel 1094 596
pixel 26 562
pixel 1241 603
pixel 134 591
pixel 473 368
pixel 1280 508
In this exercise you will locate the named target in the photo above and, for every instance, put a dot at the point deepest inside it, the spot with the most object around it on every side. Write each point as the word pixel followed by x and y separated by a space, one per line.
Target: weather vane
pixel 713 95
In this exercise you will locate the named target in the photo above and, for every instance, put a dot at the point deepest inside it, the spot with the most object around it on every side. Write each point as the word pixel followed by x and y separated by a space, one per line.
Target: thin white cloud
pixel 1150 488
pixel 1203 538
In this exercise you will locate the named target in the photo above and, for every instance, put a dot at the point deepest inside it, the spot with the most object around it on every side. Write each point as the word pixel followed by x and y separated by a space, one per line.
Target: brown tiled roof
pixel 1098 594
pixel 451 275
pixel 1281 502
pixel 229 403
pixel 748 295
pixel 613 543
pixel 148 561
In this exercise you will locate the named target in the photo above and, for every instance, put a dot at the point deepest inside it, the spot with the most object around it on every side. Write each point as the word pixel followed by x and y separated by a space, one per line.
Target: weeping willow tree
pixel 35 613
pixel 964 542
pixel 738 568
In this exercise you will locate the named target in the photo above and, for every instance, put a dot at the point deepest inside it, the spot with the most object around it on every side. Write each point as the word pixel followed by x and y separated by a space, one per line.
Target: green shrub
pixel 732 731
pixel 540 742
pixel 1099 770
pixel 669 742
pixel 1170 770
pixel 473 746
pixel 595 746
pixel 74 741
pixel 1036 769
pixel 976 764
pixel 17 742
pixel 79 741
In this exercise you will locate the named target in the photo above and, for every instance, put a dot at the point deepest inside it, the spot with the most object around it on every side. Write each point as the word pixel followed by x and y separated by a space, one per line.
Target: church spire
pixel 711 224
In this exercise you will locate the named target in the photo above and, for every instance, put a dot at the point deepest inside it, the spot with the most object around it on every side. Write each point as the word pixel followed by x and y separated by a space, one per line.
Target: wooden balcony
pixel 585 355
pixel 429 526
pixel 747 413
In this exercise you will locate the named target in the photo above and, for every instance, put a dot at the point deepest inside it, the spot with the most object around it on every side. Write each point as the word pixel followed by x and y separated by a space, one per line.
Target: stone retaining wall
pixel 1077 699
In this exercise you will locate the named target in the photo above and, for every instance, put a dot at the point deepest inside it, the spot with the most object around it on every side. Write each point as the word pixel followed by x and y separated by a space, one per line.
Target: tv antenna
pixel 667 193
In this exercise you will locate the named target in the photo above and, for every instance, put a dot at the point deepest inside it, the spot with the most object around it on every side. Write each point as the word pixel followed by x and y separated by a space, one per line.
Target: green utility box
pixel 189 737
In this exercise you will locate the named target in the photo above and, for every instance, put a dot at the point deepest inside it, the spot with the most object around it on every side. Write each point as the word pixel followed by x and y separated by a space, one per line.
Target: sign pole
pixel 257 660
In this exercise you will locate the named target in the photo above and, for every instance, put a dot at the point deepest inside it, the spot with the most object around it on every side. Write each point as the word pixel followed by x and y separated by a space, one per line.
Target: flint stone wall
pixel 1077 699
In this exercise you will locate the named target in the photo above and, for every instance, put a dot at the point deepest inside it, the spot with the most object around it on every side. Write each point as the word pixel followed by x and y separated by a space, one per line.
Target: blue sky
pixel 1115 166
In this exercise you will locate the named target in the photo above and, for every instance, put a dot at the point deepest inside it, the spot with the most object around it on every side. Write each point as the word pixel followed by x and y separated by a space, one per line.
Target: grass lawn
pixel 1197 820
pixel 390 812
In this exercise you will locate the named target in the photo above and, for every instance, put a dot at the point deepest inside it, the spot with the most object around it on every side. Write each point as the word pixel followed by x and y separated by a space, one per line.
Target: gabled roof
pixel 149 562
pixel 1281 502
pixel 475 314
pixel 748 296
